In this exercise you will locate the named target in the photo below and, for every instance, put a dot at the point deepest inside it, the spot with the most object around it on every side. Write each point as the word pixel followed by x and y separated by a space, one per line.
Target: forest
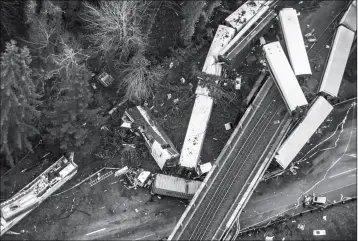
pixel 52 51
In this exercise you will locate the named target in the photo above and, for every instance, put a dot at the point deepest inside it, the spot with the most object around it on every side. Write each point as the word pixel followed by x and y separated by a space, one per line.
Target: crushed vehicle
pixel 313 200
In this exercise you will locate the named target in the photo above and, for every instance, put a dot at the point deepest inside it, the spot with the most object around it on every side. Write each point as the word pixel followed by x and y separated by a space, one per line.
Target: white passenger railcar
pixel 291 30
pixel 303 132
pixel 349 19
pixel 284 77
pixel 337 61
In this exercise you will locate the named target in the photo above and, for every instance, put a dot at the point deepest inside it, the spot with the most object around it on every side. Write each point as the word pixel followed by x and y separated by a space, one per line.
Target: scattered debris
pixel 312 40
pixel 301 227
pixel 327 46
pixel 319 232
pixel 182 80
pixel 308 25
pixel 276 122
pixel 171 65
pixel 100 178
pixel 136 210
pixel 191 86
pixel 122 171
pixel 105 79
pixel 169 96
pixel 300 2
pixel 204 168
pixel 228 126
pixel 262 41
pixel 238 83
pixel 298 14
pixel 159 197
pixel 176 101
pixel 308 35
pixel 215 139
pixel 325 218
pixel 94 86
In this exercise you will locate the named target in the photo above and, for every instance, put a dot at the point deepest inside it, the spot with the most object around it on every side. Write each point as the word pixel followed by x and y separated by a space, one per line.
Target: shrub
pixel 195 12
pixel 18 101
pixel 118 32
pixel 140 78
pixel 114 28
pixel 73 123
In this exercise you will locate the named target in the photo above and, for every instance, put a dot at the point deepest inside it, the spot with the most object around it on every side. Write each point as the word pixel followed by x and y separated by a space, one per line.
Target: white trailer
pixel 174 186
pixel 337 61
pixel 34 193
pixel 295 45
pixel 284 76
pixel 303 132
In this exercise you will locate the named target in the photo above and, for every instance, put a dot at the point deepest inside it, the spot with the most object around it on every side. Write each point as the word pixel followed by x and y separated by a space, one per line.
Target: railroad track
pixel 234 172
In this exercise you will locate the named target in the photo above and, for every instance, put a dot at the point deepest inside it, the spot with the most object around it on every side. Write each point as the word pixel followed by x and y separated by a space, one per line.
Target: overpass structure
pixel 240 166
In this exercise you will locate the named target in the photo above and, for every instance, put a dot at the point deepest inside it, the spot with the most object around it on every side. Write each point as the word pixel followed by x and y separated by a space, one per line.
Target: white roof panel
pixel 284 76
pixel 337 61
pixel 294 41
pixel 195 134
pixel 303 132
pixel 349 19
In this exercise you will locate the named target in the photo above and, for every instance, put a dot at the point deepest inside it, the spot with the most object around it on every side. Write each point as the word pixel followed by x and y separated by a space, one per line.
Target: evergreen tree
pixel 74 123
pixel 18 101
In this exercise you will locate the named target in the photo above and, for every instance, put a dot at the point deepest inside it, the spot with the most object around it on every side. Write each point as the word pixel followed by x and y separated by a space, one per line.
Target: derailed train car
pixel 285 78
pixel 301 134
pixel 160 146
pixel 33 194
pixel 338 57
pixel 295 46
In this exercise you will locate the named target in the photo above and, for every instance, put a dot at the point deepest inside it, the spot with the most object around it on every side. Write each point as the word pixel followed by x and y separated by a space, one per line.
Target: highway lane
pixel 327 166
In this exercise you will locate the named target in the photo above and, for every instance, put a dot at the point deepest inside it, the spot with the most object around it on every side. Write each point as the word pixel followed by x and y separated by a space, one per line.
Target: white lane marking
pixel 146 236
pixel 96 231
pixel 342 173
